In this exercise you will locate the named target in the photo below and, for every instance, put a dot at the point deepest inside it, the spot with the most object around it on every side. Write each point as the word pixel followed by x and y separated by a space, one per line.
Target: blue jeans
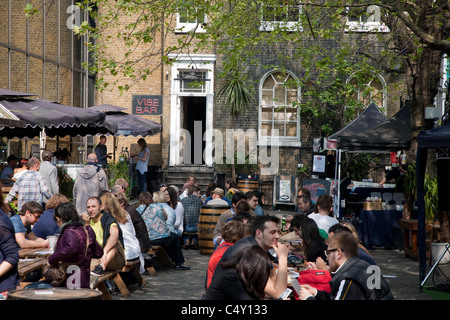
pixel 142 179
pixel 190 228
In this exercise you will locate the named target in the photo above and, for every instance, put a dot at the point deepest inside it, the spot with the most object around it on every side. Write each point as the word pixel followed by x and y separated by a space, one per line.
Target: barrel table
pixel 55 294
pixel 247 185
pixel 209 215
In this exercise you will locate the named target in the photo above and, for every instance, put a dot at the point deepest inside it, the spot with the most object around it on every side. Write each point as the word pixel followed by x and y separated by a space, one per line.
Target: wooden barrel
pixel 248 185
pixel 55 294
pixel 209 215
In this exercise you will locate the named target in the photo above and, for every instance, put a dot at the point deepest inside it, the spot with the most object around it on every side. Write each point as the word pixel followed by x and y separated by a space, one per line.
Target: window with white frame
pixel 279 114
pixel 190 22
pixel 373 89
pixel 365 20
pixel 188 85
pixel 284 16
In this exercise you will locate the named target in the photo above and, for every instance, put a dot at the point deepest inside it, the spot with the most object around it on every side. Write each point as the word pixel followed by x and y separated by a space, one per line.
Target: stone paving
pixel 402 274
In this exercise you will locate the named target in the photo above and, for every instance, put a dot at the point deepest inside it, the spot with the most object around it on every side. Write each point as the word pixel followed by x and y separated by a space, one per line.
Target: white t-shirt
pixel 131 243
pixel 323 222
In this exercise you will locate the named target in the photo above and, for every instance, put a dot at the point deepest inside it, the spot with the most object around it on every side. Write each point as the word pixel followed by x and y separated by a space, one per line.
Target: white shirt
pixel 323 222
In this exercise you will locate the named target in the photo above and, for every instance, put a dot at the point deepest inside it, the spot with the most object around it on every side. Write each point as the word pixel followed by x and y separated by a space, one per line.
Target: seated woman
pixel 231 232
pixel 145 199
pixel 314 245
pixel 243 277
pixel 76 245
pixel 160 235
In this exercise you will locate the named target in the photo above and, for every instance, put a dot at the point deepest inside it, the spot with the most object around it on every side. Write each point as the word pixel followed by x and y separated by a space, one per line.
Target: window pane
pixel 267 128
pixel 267 97
pixel 4 66
pixel 279 114
pixel 291 114
pixel 280 127
pixel 266 114
pixel 18 71
pixel 291 96
pixel 269 83
pixel 280 98
pixel 291 129
pixel 35 75
pixel 18 23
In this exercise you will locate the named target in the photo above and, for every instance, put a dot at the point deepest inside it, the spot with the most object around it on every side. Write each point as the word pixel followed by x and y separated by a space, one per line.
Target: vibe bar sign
pixel 147 105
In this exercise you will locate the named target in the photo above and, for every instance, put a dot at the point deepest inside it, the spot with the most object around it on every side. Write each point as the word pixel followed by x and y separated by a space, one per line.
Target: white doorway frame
pixel 183 62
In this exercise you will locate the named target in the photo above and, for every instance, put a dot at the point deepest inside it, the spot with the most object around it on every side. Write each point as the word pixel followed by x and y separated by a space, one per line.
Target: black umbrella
pixel 54 118
pixel 127 124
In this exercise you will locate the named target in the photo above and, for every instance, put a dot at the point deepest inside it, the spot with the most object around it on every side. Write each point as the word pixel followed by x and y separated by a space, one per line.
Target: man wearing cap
pixel 217 195
pixel 49 172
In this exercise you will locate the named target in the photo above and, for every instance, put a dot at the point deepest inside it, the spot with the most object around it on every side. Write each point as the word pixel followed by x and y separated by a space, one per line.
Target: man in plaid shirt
pixel 30 186
pixel 192 206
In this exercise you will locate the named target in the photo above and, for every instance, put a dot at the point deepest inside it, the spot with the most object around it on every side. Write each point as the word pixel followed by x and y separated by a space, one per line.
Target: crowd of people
pixel 99 231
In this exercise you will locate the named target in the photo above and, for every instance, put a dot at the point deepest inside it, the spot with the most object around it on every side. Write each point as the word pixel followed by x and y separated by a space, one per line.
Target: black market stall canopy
pixel 127 124
pixel 370 117
pixel 52 118
pixel 389 136
pixel 437 138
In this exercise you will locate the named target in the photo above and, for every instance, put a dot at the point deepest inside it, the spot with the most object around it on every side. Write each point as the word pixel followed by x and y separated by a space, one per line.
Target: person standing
pixel 324 218
pixel 49 172
pixel 102 152
pixel 89 182
pixel 30 186
pixel 142 164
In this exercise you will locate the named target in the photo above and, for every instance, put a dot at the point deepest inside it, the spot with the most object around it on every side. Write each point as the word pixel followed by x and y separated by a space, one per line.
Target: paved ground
pixel 402 275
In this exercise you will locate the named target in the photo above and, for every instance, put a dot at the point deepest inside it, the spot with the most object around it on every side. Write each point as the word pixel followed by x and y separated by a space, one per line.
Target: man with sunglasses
pixel 28 215
pixel 352 278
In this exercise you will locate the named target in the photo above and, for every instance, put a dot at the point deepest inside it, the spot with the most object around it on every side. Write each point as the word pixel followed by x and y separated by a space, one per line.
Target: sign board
pixel 319 164
pixel 317 187
pixel 146 105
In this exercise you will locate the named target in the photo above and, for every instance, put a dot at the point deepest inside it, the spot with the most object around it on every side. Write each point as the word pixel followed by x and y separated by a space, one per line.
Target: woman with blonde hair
pixel 130 241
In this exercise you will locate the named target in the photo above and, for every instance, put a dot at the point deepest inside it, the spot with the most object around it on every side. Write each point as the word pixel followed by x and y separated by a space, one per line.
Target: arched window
pixel 369 89
pixel 278 113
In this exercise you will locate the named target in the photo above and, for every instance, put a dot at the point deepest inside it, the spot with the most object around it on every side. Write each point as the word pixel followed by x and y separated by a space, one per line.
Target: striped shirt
pixel 30 187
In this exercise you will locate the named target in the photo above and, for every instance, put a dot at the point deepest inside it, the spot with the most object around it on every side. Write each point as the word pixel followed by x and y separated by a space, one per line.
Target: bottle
pixel 283 224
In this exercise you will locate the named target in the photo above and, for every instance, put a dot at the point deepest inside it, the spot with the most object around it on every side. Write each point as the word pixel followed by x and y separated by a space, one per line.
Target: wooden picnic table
pixel 35 252
pixel 30 264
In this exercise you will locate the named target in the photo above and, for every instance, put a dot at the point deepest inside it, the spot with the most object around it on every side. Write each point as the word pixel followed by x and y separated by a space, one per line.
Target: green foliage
pixel 358 165
pixel 116 171
pixel 430 197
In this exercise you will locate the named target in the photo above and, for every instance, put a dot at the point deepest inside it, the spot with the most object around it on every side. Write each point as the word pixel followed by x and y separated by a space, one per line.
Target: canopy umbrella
pixel 52 119
pixel 391 135
pixel 127 124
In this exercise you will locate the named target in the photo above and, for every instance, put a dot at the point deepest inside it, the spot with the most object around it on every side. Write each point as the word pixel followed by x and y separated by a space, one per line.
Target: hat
pixel 219 192
pixel 47 154
pixel 175 188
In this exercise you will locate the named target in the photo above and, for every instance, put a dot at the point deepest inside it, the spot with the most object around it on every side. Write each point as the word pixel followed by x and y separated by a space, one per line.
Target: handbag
pixel 57 274
pixel 319 279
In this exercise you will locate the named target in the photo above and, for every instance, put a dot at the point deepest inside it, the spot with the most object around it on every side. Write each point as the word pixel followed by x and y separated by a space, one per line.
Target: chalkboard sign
pixel 146 105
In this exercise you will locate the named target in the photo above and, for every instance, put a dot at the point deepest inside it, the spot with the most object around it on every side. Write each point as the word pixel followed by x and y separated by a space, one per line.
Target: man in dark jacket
pixel 352 278
pixel 9 256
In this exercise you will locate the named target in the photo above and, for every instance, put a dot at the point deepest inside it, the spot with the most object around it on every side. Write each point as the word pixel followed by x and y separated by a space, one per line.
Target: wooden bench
pixel 114 276
pixel 134 267
pixel 162 256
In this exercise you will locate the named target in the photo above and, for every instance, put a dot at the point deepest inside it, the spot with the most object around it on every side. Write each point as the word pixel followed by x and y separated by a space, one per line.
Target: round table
pixel 55 294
